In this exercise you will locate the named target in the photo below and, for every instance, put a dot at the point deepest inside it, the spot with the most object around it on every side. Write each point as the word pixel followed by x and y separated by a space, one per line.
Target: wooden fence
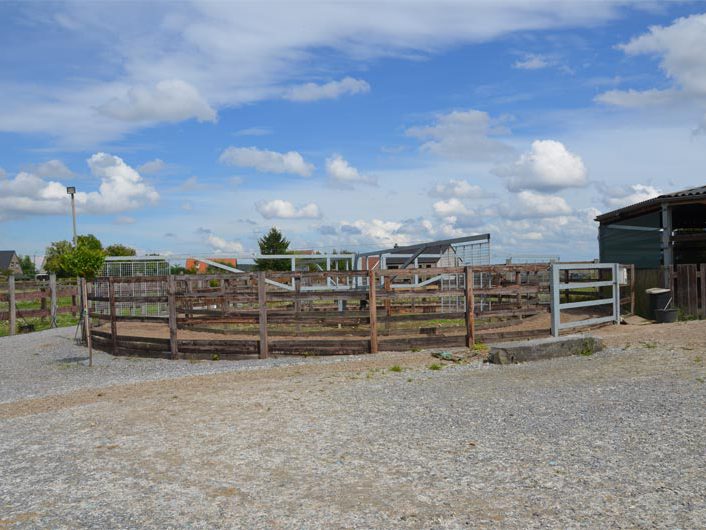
pixel 687 283
pixel 322 313
pixel 23 300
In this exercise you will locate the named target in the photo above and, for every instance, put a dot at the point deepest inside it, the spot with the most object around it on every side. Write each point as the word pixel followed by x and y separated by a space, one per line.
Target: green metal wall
pixel 639 246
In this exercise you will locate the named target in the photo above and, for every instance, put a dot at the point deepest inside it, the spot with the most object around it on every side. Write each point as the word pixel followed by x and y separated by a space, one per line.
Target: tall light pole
pixel 71 190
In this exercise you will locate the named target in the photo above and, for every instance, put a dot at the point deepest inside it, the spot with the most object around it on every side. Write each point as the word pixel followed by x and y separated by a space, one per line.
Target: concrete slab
pixel 547 348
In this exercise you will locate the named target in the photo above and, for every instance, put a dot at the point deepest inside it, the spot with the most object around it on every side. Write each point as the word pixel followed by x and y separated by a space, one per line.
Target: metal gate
pixel 557 286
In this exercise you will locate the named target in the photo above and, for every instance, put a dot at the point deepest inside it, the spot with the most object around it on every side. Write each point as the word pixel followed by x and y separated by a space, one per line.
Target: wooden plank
pixel 702 274
pixel 86 319
pixel 52 299
pixel 171 300
pixel 470 309
pixel 693 291
pixel 387 283
pixel 372 307
pixel 262 302
pixel 13 305
pixel 113 314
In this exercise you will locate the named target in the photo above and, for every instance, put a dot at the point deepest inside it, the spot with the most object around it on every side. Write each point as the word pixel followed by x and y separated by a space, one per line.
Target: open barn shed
pixel 664 231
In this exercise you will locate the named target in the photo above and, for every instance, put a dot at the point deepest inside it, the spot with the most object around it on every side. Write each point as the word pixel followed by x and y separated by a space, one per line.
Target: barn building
pixel 662 231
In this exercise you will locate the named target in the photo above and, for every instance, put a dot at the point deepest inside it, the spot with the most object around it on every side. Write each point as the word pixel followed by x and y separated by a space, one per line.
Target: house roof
pixel 5 258
pixel 687 195
pixel 432 247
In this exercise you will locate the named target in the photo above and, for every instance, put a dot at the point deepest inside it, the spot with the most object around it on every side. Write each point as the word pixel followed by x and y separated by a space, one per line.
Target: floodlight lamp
pixel 70 190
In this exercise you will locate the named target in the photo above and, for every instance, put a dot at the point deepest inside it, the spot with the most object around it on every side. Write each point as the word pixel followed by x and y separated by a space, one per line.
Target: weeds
pixel 650 345
pixel 395 368
pixel 215 357
pixel 435 366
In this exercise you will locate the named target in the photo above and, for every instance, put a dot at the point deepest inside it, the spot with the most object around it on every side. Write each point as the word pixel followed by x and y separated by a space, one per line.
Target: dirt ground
pixel 616 439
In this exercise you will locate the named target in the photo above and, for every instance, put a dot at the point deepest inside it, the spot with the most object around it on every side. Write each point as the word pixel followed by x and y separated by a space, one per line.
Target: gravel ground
pixel 617 439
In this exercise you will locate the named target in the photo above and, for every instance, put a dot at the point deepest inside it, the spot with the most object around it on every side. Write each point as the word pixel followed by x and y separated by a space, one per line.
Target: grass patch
pixel 480 346
pixel 649 345
pixel 395 368
pixel 435 366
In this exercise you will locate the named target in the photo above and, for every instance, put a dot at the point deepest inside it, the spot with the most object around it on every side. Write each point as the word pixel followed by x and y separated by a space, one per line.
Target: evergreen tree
pixel 273 242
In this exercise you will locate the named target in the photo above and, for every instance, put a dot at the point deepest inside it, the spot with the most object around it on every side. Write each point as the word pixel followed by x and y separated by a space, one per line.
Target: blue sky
pixel 194 127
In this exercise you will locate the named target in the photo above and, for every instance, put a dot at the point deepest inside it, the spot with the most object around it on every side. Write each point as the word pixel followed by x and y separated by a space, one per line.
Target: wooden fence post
pixel 113 315
pixel 13 304
pixel 171 302
pixel 262 302
pixel 372 306
pixel 53 299
pixel 297 301
pixel 702 271
pixel 86 319
pixel 470 314
pixel 388 303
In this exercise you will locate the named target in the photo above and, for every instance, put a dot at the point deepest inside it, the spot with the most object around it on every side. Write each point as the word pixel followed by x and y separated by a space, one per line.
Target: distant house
pixel 10 261
pixel 202 267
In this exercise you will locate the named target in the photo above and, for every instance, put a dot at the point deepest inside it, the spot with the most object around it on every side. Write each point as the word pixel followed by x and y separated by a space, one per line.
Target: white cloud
pixel 267 161
pixel 170 100
pixel 51 168
pixel 463 135
pixel 152 166
pixel 617 197
pixel 280 209
pixel 531 62
pixel 121 188
pixel 450 207
pixel 548 166
pixel 3 173
pixel 331 90
pixel 342 173
pixel 680 48
pixel 221 245
pixel 536 205
pixel 253 131
pixel 458 188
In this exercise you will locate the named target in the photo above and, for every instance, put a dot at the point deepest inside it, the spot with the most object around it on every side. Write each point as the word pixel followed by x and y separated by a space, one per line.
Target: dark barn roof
pixel 654 204
pixel 5 258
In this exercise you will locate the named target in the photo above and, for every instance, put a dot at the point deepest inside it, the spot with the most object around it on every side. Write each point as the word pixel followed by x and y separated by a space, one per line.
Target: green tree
pixel 53 255
pixel 85 260
pixel 62 259
pixel 28 267
pixel 119 250
pixel 89 241
pixel 273 242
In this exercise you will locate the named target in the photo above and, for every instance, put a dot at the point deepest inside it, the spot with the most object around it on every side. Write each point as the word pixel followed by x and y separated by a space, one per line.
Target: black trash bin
pixel 659 299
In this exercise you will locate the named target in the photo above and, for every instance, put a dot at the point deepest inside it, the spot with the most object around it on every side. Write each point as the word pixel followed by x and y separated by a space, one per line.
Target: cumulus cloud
pixel 221 245
pixel 450 207
pixel 267 161
pixel 465 135
pixel 121 188
pixel 531 62
pixel 617 197
pixel 548 166
pixel 458 188
pixel 170 100
pixel 152 166
pixel 536 205
pixel 680 48
pixel 331 90
pixel 280 209
pixel 50 168
pixel 342 173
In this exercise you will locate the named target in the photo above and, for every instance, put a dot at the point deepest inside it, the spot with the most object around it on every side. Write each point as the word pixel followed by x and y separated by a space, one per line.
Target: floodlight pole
pixel 71 190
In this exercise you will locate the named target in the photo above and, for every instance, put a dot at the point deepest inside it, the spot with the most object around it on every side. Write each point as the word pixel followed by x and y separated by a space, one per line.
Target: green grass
pixel 395 368
pixel 62 321
pixel 435 366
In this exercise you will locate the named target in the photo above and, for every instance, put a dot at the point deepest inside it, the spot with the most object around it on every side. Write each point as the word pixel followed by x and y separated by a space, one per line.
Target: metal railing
pixel 557 286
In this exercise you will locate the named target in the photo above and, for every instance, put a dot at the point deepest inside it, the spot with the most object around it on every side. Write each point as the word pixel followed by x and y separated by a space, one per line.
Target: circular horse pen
pixel 246 315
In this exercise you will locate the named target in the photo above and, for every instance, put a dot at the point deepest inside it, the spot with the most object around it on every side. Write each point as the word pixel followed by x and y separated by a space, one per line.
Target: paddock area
pixel 237 316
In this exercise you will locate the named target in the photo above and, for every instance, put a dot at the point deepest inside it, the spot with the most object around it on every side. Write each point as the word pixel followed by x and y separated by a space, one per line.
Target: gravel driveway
pixel 613 440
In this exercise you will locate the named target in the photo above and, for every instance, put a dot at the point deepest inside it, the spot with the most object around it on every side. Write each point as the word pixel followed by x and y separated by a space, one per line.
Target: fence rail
pixel 332 312
pixel 22 300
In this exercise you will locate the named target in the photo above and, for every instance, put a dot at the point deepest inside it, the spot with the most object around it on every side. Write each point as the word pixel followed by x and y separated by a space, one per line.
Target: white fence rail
pixel 557 286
